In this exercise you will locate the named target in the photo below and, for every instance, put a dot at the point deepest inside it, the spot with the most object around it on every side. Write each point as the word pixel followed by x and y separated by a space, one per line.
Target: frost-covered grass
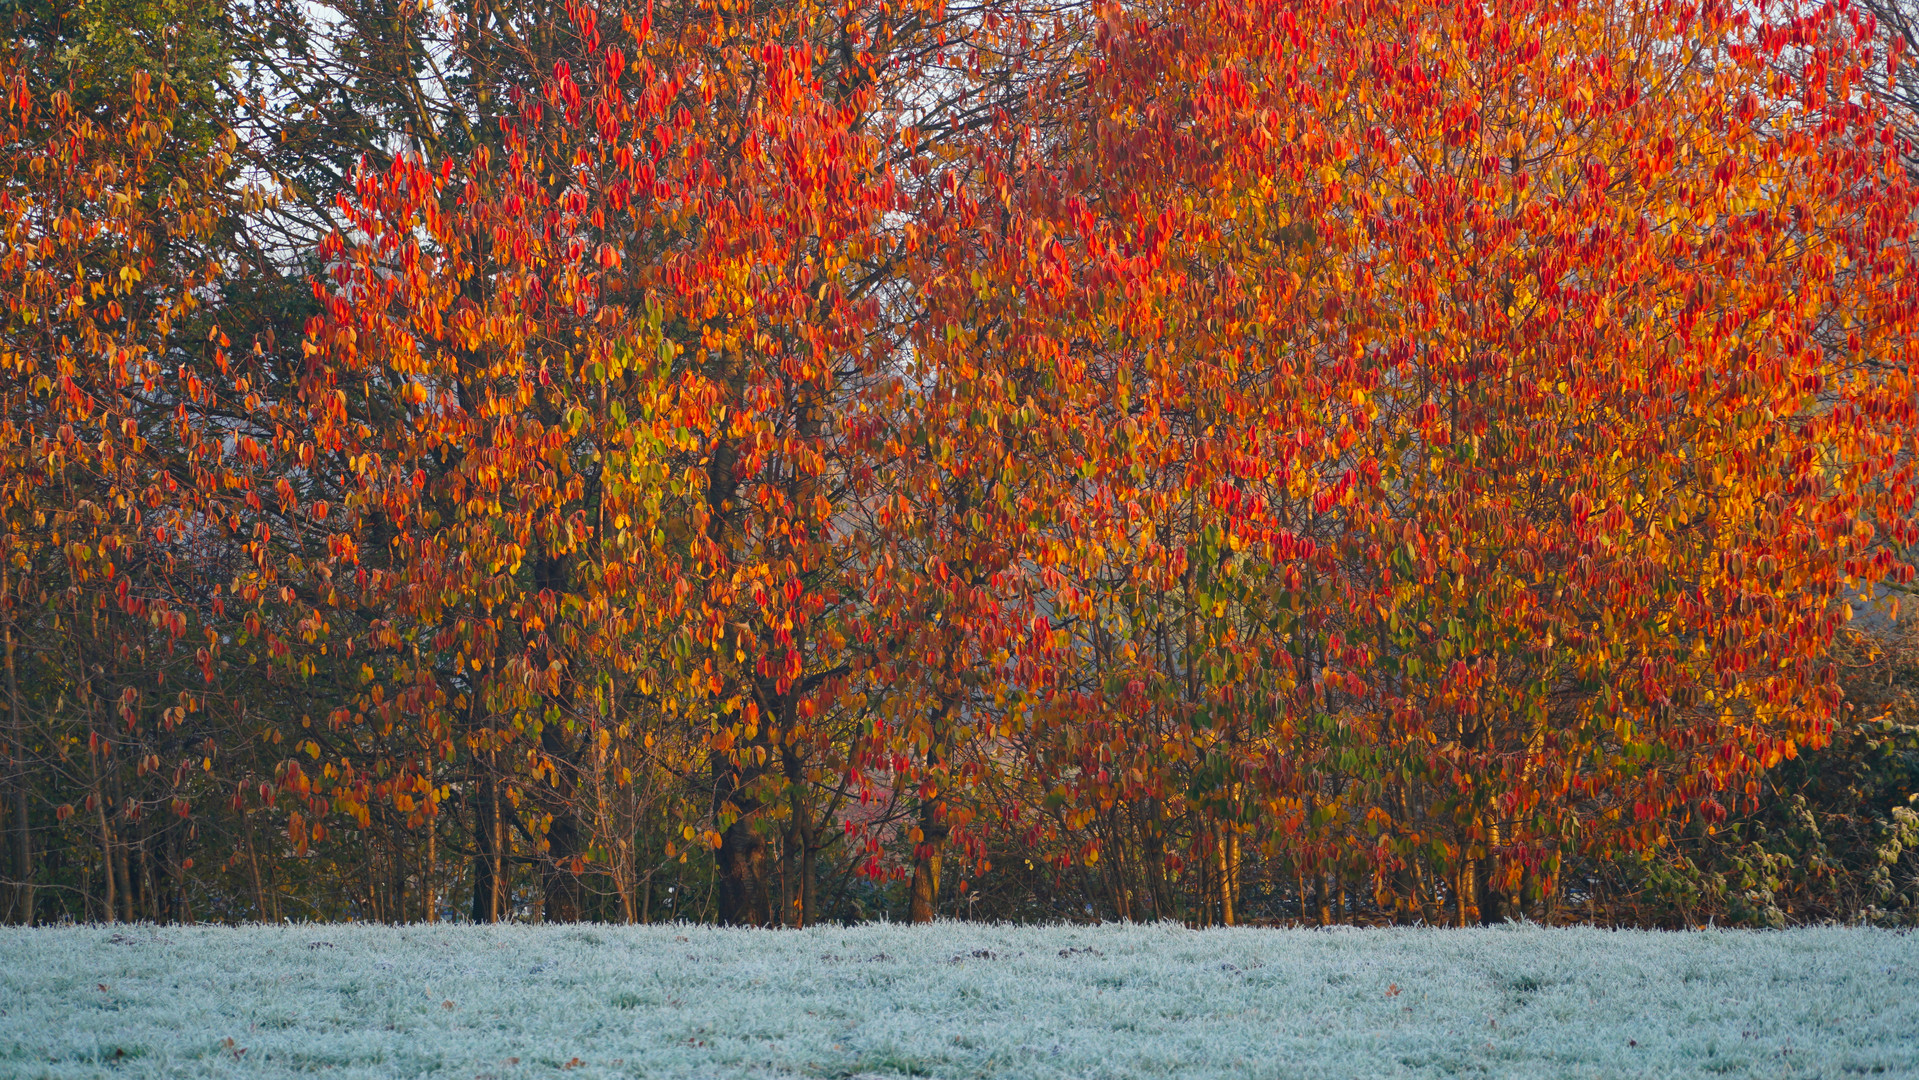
pixel 954 1000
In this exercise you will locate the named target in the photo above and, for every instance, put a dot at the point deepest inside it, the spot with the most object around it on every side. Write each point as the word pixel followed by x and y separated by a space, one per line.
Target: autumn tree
pixel 1528 388
pixel 115 544
pixel 632 351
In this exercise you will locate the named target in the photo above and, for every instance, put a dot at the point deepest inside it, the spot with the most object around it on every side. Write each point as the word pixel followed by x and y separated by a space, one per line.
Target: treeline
pixel 786 462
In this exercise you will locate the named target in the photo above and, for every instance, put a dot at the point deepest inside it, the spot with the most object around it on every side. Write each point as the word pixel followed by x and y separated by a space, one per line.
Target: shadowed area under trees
pixel 778 463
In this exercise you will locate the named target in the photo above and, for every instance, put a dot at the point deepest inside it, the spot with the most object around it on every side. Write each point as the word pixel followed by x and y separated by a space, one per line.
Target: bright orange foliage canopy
pixel 1411 443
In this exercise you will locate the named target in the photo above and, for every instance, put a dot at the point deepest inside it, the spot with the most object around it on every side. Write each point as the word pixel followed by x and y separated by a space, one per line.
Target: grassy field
pixel 954 1000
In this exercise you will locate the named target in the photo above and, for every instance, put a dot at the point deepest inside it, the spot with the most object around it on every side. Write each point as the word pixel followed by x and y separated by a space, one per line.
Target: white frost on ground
pixel 954 1000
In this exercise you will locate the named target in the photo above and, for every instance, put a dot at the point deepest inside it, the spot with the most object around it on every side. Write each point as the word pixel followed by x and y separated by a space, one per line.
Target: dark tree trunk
pixel 561 893
pixel 21 909
pixel 22 906
pixel 559 871
pixel 124 875
pixel 149 891
pixel 802 841
pixel 741 866
pixel 170 873
pixel 486 853
pixel 1115 865
pixel 809 875
pixel 560 882
pixel 1159 886
pixel 1492 906
pixel 396 872
pixel 742 877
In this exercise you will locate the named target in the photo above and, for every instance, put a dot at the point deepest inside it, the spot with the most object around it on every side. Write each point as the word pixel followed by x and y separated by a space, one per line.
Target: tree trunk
pixel 788 863
pixel 933 827
pixel 1204 907
pixel 1159 890
pixel 742 877
pixel 740 871
pixel 1113 859
pixel 559 872
pixel 1405 896
pixel 432 849
pixel 396 870
pixel 149 892
pixel 623 880
pixel 253 864
pixel 126 879
pixel 926 860
pixel 486 832
pixel 1492 906
pixel 499 890
pixel 368 848
pixel 560 882
pixel 182 910
pixel 796 859
pixel 809 875
pixel 1226 915
pixel 803 843
pixel 106 853
pixel 1491 901
pixel 95 750
pixel 177 874
pixel 1426 894
pixel 1234 863
pixel 21 909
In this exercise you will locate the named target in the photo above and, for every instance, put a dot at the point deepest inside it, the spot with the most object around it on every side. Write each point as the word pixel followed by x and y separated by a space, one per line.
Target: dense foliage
pixel 1221 461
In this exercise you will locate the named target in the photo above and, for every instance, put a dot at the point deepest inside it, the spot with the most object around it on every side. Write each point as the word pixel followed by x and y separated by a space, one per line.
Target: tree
pixel 629 350
pixel 113 541
pixel 1524 442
